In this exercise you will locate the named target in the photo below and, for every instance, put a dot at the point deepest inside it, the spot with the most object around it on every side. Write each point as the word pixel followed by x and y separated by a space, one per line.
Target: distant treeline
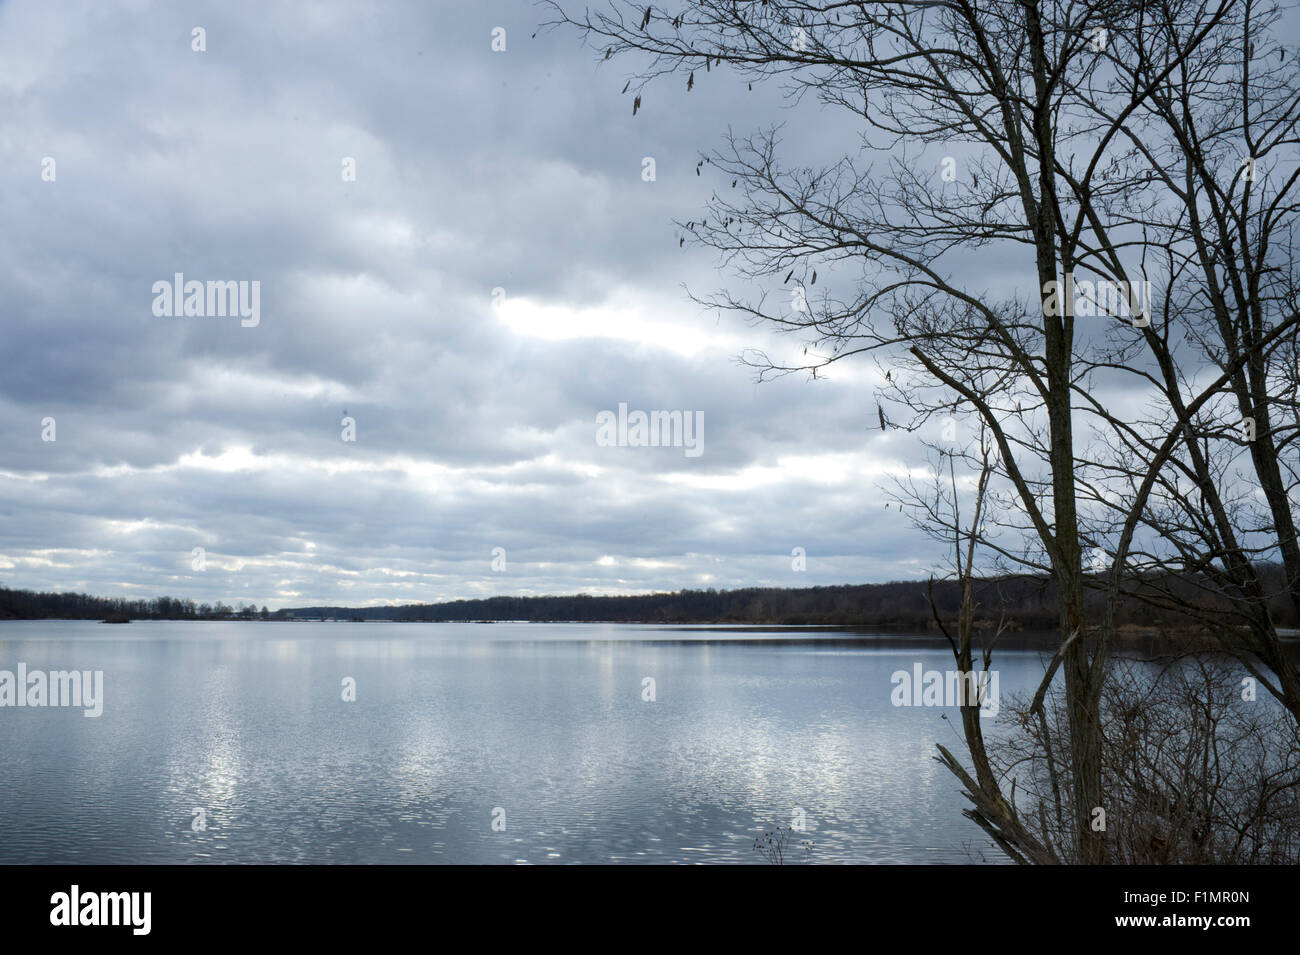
pixel 30 605
pixel 1028 603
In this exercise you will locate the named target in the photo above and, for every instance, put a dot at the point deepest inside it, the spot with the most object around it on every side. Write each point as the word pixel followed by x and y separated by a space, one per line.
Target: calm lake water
pixel 547 722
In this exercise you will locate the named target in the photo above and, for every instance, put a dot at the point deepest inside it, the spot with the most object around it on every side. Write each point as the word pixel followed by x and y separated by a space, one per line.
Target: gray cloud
pixel 475 423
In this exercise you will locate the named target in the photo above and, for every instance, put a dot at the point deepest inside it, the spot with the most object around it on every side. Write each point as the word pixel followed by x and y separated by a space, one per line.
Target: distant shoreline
pixel 1013 605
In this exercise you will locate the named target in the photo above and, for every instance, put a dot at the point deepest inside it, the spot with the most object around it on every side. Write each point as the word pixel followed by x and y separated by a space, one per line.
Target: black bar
pixel 943 905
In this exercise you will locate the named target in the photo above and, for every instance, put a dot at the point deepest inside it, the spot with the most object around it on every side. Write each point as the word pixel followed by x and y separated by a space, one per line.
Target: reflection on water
pixel 246 721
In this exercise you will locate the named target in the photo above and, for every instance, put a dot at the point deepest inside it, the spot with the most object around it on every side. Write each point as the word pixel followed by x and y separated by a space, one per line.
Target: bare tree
pixel 937 510
pixel 1216 147
pixel 1192 773
pixel 1036 102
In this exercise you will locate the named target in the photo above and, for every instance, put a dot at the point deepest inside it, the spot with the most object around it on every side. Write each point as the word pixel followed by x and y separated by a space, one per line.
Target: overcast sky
pixel 475 418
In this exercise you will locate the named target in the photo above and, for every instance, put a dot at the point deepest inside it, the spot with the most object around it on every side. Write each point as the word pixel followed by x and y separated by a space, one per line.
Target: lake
pixel 465 743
